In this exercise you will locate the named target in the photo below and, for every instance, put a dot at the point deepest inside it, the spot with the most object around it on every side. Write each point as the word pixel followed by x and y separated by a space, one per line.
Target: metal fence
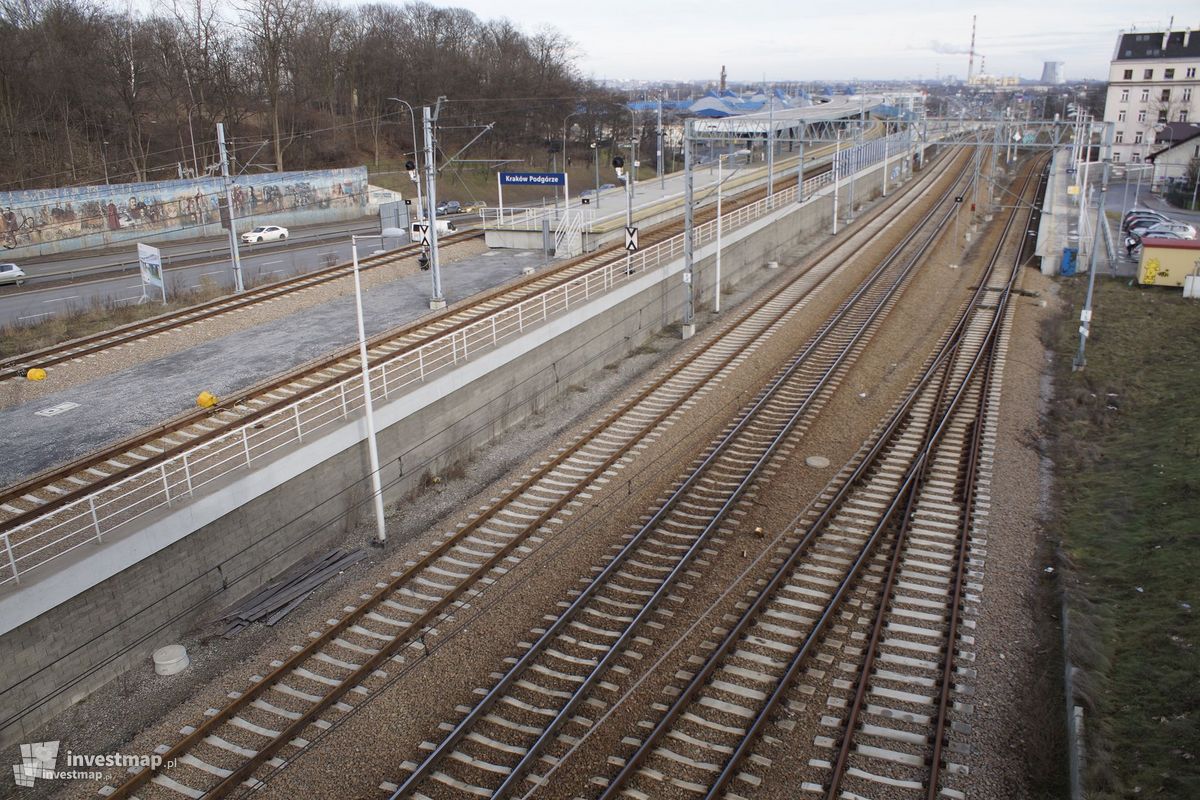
pixel 89 519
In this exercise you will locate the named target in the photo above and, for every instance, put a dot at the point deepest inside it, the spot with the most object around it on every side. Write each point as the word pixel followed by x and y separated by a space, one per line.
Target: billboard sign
pixel 150 261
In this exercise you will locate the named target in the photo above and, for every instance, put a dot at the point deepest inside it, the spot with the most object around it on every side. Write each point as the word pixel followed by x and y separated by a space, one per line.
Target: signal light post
pixel 409 165
pixel 618 163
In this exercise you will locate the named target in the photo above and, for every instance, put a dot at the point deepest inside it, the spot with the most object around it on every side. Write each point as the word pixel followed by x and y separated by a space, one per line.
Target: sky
pixel 803 40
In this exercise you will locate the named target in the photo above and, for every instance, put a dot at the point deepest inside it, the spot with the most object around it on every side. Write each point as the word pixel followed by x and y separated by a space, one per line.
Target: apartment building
pixel 1153 81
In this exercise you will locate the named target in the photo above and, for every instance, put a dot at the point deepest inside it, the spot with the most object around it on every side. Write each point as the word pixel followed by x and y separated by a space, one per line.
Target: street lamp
pixel 720 182
pixel 564 147
pixel 372 445
pixel 596 161
pixel 104 158
pixel 416 177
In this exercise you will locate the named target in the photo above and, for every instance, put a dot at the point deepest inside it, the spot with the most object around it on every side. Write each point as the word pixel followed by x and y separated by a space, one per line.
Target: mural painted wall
pixel 41 222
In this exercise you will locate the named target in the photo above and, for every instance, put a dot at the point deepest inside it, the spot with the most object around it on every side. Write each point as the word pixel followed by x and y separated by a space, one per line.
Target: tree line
pixel 91 92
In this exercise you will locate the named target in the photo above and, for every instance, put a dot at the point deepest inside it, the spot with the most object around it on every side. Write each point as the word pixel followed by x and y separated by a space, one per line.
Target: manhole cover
pixel 54 411
pixel 817 462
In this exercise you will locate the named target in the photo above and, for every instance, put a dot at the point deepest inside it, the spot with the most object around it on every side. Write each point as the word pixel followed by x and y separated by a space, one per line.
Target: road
pixel 87 281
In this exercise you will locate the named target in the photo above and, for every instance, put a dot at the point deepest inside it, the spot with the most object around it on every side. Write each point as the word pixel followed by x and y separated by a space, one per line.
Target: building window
pixel 1148 74
pixel 1162 115
pixel 1116 157
pixel 1166 95
pixel 1145 95
pixel 1183 116
pixel 1187 95
pixel 1136 158
pixel 1168 74
pixel 1142 115
pixel 1124 95
pixel 1137 137
pixel 1120 116
pixel 1191 72
pixel 1128 74
pixel 1120 137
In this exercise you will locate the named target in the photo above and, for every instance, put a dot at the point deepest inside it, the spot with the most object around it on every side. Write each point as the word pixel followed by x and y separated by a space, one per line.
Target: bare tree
pixel 272 26
pixel 85 89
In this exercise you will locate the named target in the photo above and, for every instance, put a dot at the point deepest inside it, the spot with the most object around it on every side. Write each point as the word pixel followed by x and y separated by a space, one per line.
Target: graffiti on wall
pixel 127 211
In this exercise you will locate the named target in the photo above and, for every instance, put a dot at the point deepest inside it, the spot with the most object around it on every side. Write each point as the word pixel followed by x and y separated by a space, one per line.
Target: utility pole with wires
pixel 662 177
pixel 238 285
pixel 436 299
pixel 689 237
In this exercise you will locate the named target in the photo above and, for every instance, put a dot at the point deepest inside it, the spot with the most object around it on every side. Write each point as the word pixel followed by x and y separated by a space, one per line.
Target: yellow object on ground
pixel 206 400
pixel 36 374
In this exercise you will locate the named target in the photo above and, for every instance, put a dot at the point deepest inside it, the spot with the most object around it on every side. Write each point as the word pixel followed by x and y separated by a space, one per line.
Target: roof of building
pixel 1170 244
pixel 1173 135
pixel 1134 46
pixel 1177 132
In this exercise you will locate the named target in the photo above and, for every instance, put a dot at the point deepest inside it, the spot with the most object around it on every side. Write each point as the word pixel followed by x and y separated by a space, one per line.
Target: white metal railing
pixel 89 519
pixel 568 239
pixel 519 218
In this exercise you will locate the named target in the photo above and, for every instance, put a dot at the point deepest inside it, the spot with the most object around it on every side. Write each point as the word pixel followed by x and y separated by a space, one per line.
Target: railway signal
pixel 631 239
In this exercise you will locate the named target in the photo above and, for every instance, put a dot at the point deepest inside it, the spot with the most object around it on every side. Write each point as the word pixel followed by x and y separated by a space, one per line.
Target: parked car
pixel 1133 218
pixel 449 207
pixel 587 194
pixel 11 273
pixel 607 186
pixel 473 208
pixel 1184 230
pixel 1133 212
pixel 266 233
pixel 1162 235
pixel 1134 241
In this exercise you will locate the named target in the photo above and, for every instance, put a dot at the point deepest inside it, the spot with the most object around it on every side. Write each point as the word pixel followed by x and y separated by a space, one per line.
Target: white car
pixel 1184 230
pixel 266 233
pixel 11 273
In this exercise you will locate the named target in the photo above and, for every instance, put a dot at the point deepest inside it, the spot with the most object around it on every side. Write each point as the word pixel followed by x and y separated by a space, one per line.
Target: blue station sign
pixel 533 178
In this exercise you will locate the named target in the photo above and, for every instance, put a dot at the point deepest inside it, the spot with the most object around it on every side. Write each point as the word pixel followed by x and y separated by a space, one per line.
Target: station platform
pixel 1063 228
pixel 576 227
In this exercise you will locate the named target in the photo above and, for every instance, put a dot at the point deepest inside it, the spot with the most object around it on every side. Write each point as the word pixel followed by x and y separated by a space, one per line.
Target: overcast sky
pixel 691 39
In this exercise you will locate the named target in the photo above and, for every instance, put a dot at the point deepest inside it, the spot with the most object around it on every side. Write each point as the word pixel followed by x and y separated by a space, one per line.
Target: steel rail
pixel 15 366
pixel 733 763
pixel 773 701
pixel 737 631
pixel 460 730
pixel 744 315
pixel 871 652
pixel 247 697
pixel 572 270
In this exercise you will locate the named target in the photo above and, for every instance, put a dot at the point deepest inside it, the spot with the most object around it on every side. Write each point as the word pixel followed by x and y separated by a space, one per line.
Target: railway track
pixel 15 367
pixel 343 666
pixel 866 609
pixel 577 666
pixel 84 493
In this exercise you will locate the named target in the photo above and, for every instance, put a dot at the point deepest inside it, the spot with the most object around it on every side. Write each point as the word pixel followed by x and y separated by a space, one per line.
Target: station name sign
pixel 532 178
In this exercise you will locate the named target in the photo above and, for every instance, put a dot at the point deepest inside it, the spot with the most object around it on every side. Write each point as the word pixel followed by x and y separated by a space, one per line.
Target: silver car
pixel 1184 230
pixel 11 273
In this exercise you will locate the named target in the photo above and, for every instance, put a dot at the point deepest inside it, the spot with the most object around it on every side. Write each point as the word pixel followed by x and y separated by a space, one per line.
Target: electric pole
pixel 436 300
pixel 238 285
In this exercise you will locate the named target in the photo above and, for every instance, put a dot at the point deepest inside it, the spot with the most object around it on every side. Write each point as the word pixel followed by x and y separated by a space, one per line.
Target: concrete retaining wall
pixel 185 578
